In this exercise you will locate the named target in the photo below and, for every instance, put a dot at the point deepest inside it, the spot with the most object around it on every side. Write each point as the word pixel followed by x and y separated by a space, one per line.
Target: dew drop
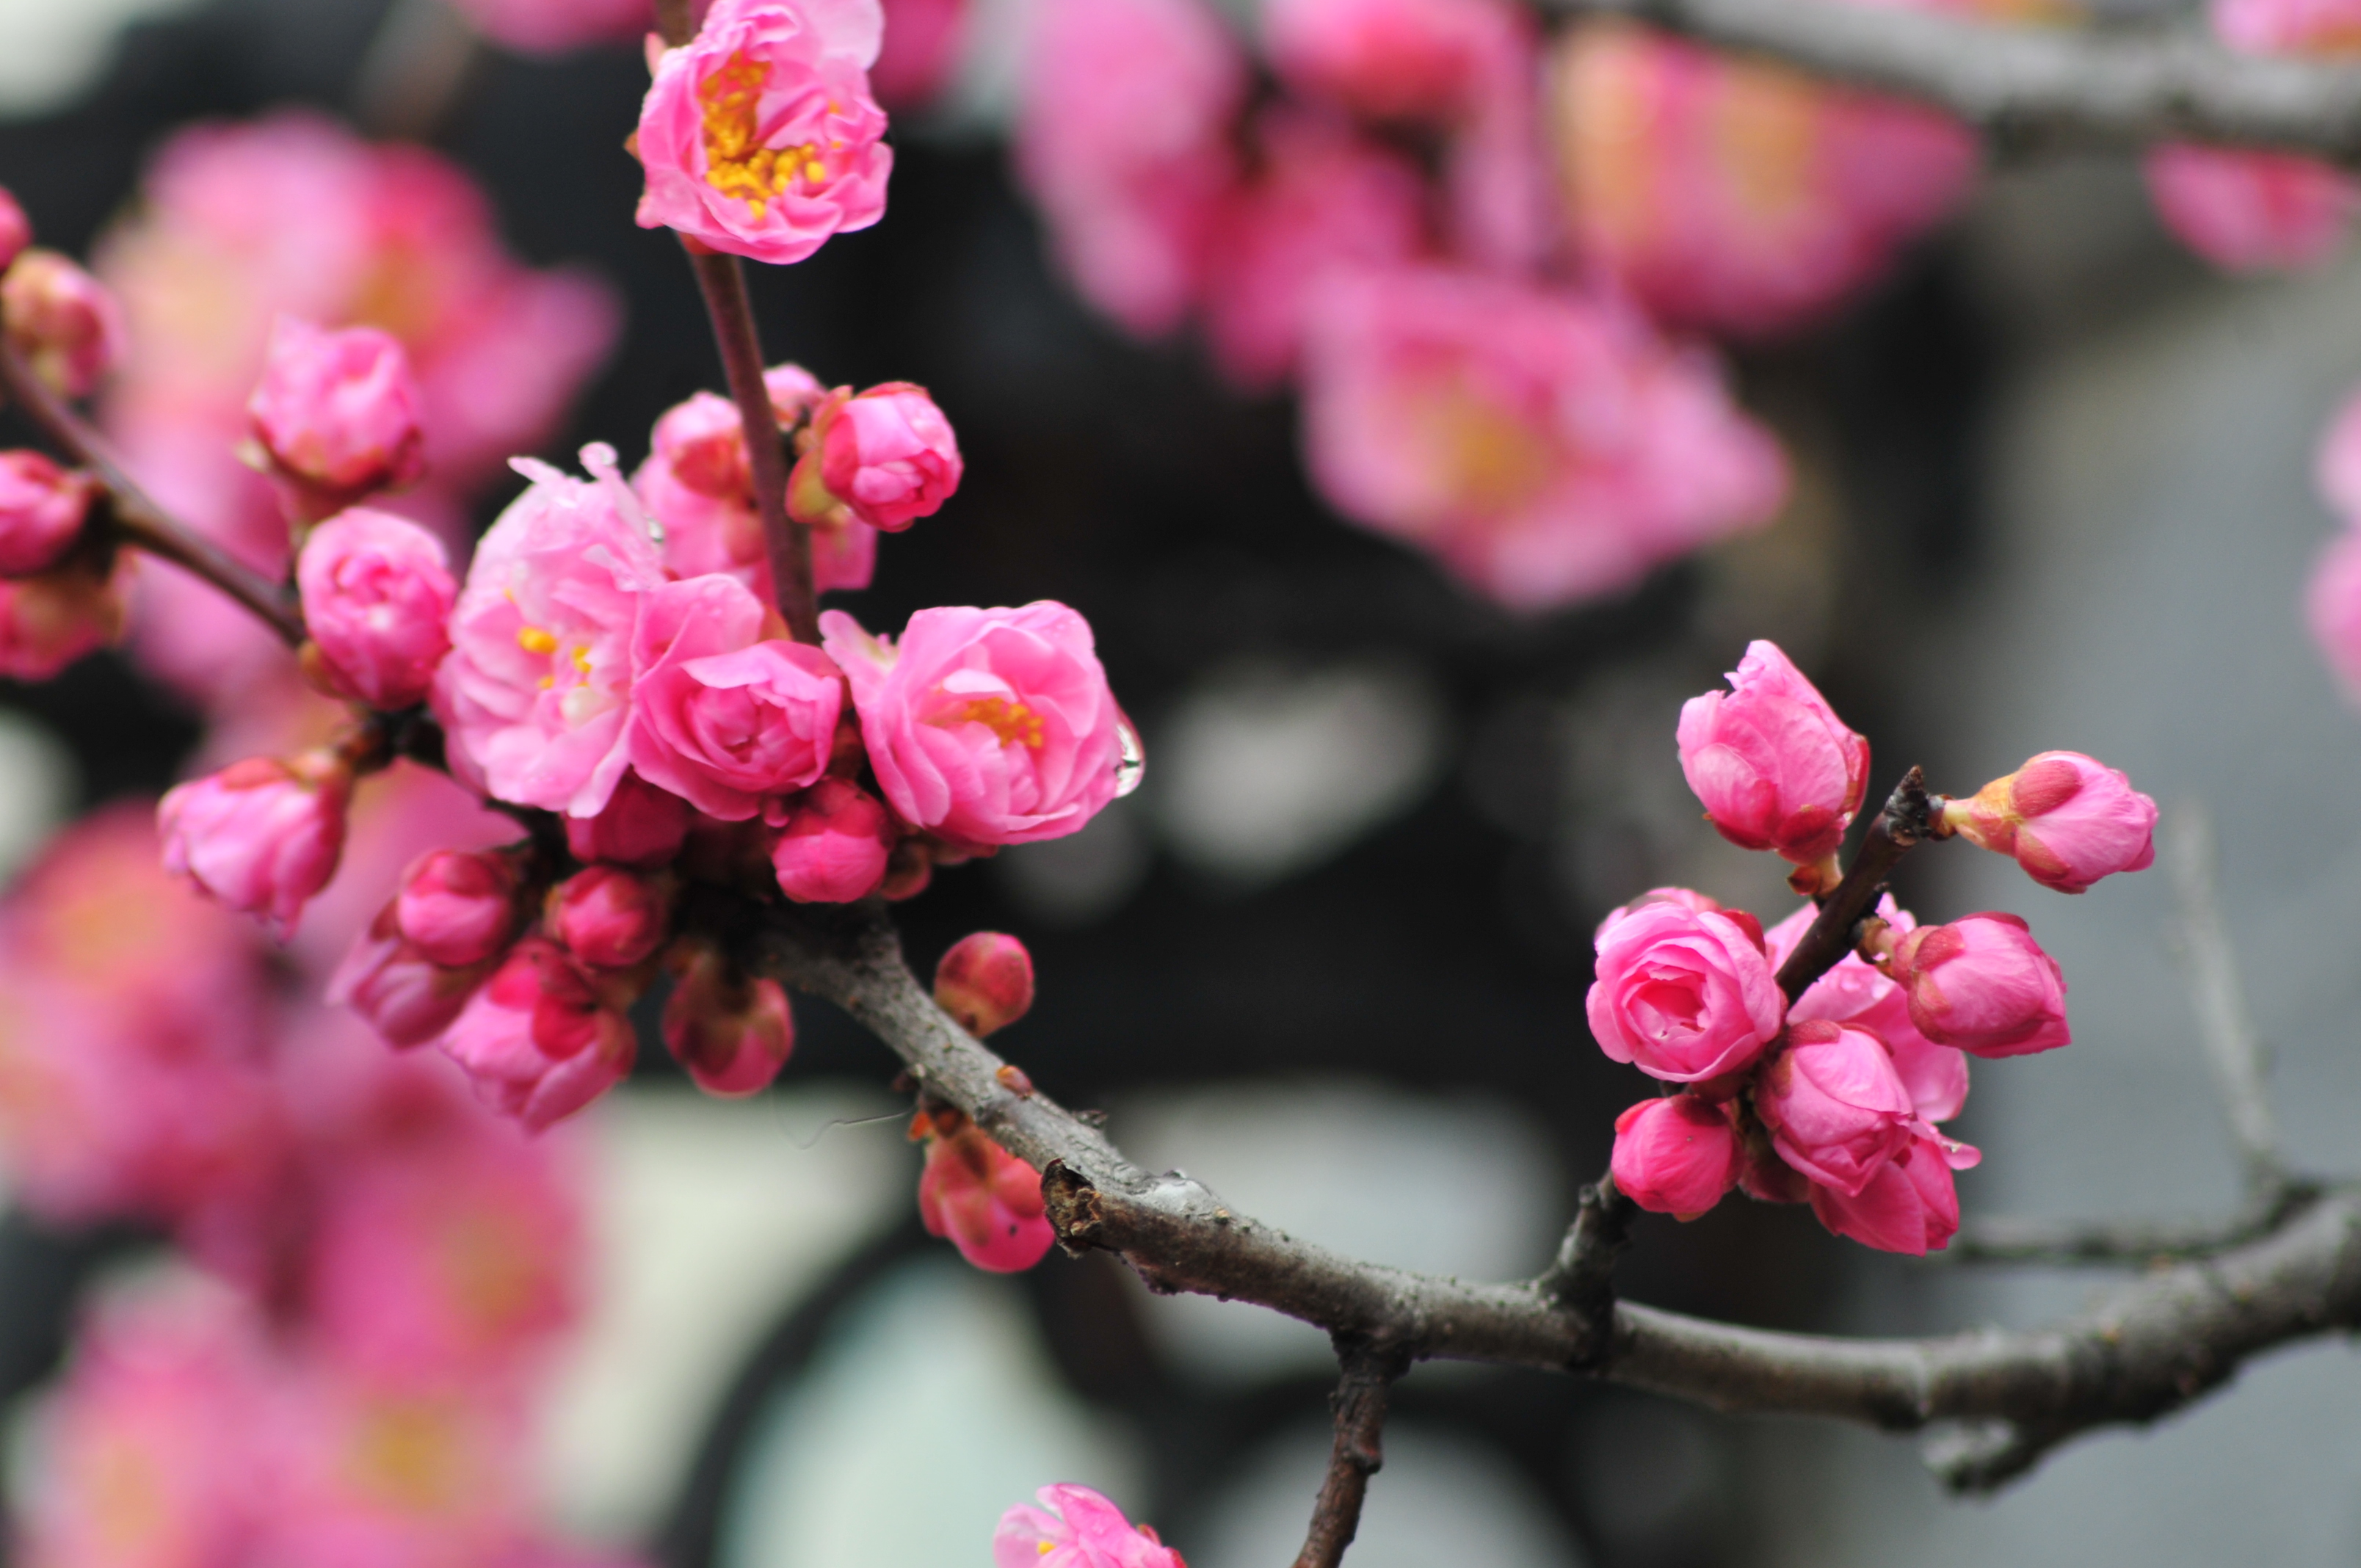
pixel 1131 760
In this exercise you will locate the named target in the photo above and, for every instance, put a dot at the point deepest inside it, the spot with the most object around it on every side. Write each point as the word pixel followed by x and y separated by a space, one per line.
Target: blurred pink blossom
pixel 1076 1528
pixel 41 508
pixel 2332 605
pixel 553 26
pixel 1433 61
pixel 2252 212
pixel 1775 766
pixel 65 322
pixel 1674 1156
pixel 337 412
pixel 261 835
pixel 51 619
pixel 16 229
pixel 924 39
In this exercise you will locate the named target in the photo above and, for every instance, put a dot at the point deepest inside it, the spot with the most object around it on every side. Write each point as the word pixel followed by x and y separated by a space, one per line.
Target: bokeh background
pixel 2052 489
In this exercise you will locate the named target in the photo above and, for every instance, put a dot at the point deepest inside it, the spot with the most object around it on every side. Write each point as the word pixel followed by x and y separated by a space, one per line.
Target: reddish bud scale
pixel 986 983
pixel 731 1032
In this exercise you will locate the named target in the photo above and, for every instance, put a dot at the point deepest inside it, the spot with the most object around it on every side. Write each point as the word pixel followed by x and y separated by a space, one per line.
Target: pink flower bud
pixel 398 991
pixel 760 137
pixel 377 599
pixel 1682 995
pixel 15 229
pixel 887 457
pixel 1076 1528
pixel 983 1198
pixel 1835 1106
pixel 537 1040
pixel 261 835
pixel 51 619
pixel 641 827
pixel 1686 898
pixel 62 320
pixel 1983 984
pixel 1775 766
pixel 731 1032
pixel 458 907
pixel 1674 1156
pixel 41 508
pixel 834 845
pixel 1907 1205
pixel 338 410
pixel 608 917
pixel 2067 819
pixel 702 442
pixel 986 983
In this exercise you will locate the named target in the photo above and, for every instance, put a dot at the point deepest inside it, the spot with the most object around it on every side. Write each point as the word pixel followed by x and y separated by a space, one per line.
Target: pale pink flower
pixel 535 692
pixel 985 982
pixel 1545 446
pixel 1681 994
pixel 1674 1156
pixel 986 726
pixel 732 1032
pixel 2069 819
pixel 1908 1204
pixel 2252 212
pixel 608 917
pixel 833 847
pixel 51 619
pixel 337 412
pixel 1775 766
pixel 16 229
pixel 536 1041
pixel 760 136
pixel 458 907
pixel 2332 605
pixel 1836 1109
pixel 1983 984
pixel 377 596
pixel 986 1200
pixel 1123 137
pixel 553 26
pixel 1855 991
pixel 641 825
pixel 924 41
pixel 1433 62
pixel 885 458
pixel 2336 462
pixel 41 508
pixel 261 835
pixel 397 989
pixel 721 715
pixel 64 321
pixel 1076 1528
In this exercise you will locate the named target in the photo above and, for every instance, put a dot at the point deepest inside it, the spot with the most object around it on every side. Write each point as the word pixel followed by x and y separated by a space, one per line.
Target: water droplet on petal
pixel 1131 760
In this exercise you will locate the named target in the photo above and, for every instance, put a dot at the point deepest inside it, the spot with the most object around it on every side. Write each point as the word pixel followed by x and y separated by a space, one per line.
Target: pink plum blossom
pixel 1076 1528
pixel 15 229
pixel 885 458
pixel 1836 1109
pixel 536 1040
pixel 535 692
pixel 41 508
pixel 608 917
pixel 553 26
pixel 458 907
pixel 1775 766
pixel 1543 444
pixel 2067 819
pixel 51 619
pixel 377 596
pixel 1855 991
pixel 397 989
pixel 1674 1156
pixel 337 412
pixel 2252 212
pixel 64 321
pixel 986 1200
pixel 1983 984
pixel 760 137
pixel 924 39
pixel 2336 464
pixel 1682 995
pixel 261 835
pixel 731 1031
pixel 722 715
pixel 985 982
pixel 1908 1204
pixel 986 726
pixel 833 847
pixel 640 825
pixel 1433 62
pixel 1123 138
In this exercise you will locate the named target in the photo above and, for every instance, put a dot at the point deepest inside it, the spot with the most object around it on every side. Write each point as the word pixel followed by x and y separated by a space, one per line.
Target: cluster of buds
pixel 1835 1097
pixel 983 1199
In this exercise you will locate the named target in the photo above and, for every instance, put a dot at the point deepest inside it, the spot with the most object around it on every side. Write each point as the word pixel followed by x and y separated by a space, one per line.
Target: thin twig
pixel 2233 1048
pixel 1897 829
pixel 674 22
pixel 723 281
pixel 1359 1402
pixel 2070 1242
pixel 134 518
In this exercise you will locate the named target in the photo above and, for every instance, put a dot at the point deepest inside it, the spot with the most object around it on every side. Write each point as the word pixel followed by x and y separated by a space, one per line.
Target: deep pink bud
pixel 41 508
pixel 1983 984
pixel 834 845
pixel 261 835
pixel 2069 819
pixel 15 229
pixel 404 996
pixel 1675 1156
pixel 537 1040
pixel 886 458
pixel 985 982
pixel 338 410
pixel 731 1031
pixel 458 907
pixel 641 825
pixel 1775 766
pixel 62 320
pixel 983 1198
pixel 1835 1106
pixel 1908 1204
pixel 608 917
pixel 378 593
pixel 50 619
pixel 1076 1528
pixel 1683 994
pixel 702 442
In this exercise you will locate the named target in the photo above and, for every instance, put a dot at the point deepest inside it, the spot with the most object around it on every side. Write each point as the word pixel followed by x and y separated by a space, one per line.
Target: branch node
pixel 1582 1280
pixel 1073 1208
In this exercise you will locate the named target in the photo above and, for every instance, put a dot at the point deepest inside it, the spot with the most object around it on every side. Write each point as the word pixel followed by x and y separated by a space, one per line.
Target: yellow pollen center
pixel 736 163
pixel 1015 723
pixel 533 640
pixel 1045 1547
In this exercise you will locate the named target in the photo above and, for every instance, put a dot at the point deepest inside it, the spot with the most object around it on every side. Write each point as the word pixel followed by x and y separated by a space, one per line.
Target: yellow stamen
pixel 736 163
pixel 582 657
pixel 533 640
pixel 1015 723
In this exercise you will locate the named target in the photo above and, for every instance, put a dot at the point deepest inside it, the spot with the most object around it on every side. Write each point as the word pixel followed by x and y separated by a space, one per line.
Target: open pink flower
pixel 1675 1156
pixel 982 1197
pixel 1855 991
pixel 261 835
pixel 1983 984
pixel 1076 1528
pixel 2252 212
pixel 885 458
pixel 834 844
pixel 337 412
pixel 1835 1108
pixel 536 1040
pixel 2069 819
pixel 1682 995
pixel 1543 444
pixel 63 321
pixel 731 1032
pixel 760 136
pixel 535 692
pixel 41 508
pixel 1775 766
pixel 377 596
pixel 986 726
pixel 1908 1204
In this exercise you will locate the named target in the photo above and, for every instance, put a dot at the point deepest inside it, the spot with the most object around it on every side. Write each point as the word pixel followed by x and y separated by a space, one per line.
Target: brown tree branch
pixel 2033 84
pixel 1897 831
pixel 2137 1243
pixel 2233 1048
pixel 1359 1403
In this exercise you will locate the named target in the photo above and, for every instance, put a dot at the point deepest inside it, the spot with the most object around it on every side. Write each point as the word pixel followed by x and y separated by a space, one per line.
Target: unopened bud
pixel 1675 1156
pixel 2069 819
pixel 986 983
pixel 63 321
pixel 41 511
pixel 833 846
pixel 731 1032
pixel 1983 984
pixel 337 413
pixel 885 458
pixel 642 827
pixel 608 917
pixel 398 991
pixel 376 593
pixel 260 836
pixel 458 907
pixel 15 229
pixel 986 1200
pixel 51 619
